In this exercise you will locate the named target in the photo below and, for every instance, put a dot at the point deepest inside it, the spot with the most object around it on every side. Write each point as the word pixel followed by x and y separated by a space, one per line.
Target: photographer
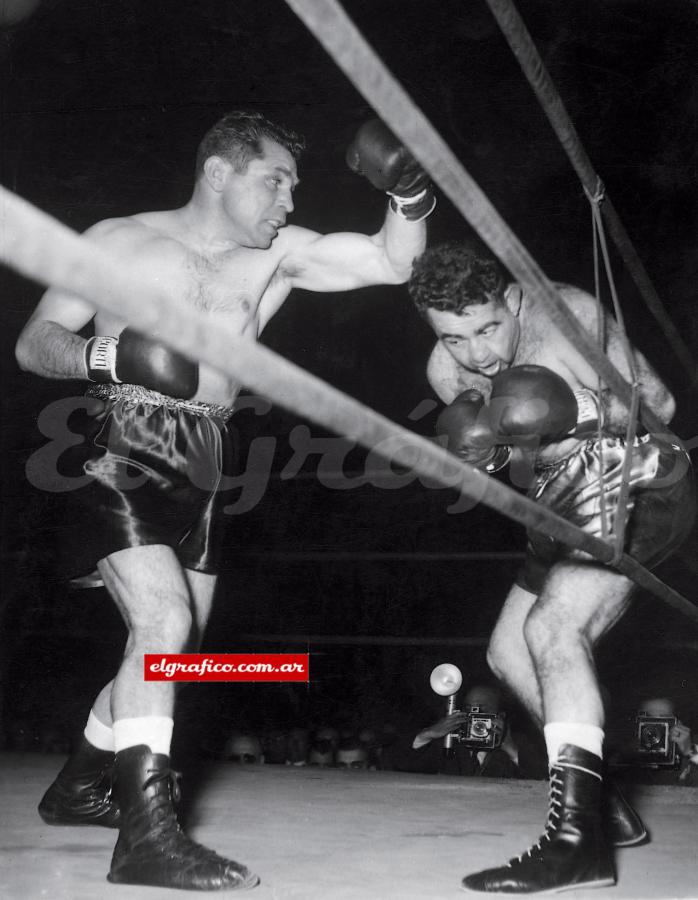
pixel 498 754
pixel 663 749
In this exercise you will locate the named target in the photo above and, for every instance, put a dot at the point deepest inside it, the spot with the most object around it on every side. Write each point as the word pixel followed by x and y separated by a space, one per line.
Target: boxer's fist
pixel 133 358
pixel 466 428
pixel 379 156
pixel 532 401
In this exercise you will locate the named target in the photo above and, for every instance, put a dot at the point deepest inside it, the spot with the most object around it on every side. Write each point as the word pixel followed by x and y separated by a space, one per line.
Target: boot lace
pixel 167 774
pixel 552 823
pixel 173 841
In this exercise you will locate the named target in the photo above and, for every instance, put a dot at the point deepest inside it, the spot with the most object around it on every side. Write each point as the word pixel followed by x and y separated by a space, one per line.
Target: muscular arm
pixel 344 261
pixel 48 345
pixel 653 392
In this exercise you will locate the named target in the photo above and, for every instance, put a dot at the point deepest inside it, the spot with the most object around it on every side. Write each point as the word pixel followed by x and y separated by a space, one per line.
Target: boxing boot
pixel 621 824
pixel 82 791
pixel 572 852
pixel 152 849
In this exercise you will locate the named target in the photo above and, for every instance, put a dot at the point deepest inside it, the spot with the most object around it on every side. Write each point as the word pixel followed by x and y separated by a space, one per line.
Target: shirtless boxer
pixel 161 420
pixel 496 352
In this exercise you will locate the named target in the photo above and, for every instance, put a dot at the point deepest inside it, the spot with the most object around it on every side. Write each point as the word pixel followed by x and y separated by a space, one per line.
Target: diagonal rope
pixel 524 49
pixel 623 506
pixel 601 341
pixel 39 247
pixel 350 51
pixel 346 45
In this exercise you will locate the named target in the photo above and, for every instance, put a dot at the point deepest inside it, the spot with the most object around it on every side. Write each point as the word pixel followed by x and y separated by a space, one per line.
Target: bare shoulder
pixel 290 244
pixel 144 236
pixel 448 379
pixel 579 302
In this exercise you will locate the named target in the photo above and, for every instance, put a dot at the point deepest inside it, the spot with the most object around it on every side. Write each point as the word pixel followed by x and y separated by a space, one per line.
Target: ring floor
pixel 328 834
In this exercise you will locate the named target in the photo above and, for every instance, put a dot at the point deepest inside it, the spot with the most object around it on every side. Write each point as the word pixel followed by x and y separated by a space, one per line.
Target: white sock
pixel 98 734
pixel 588 737
pixel 154 731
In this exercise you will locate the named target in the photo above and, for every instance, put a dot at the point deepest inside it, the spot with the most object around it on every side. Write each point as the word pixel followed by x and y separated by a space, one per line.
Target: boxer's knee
pixel 162 628
pixel 500 657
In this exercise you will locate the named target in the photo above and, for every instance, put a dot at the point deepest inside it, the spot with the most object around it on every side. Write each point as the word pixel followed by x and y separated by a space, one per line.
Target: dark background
pixel 103 104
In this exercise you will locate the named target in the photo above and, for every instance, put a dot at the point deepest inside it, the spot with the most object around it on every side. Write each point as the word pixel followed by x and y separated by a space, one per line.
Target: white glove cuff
pixel 100 359
pixel 589 412
pixel 415 208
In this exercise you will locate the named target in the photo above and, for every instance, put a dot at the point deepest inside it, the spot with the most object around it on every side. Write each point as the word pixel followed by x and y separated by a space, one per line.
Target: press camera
pixel 653 743
pixel 480 731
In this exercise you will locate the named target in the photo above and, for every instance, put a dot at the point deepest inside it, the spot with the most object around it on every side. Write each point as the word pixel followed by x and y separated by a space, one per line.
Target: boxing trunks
pixel 661 501
pixel 155 470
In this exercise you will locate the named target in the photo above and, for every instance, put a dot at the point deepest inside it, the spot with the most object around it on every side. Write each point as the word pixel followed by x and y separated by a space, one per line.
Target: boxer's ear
pixel 513 297
pixel 215 172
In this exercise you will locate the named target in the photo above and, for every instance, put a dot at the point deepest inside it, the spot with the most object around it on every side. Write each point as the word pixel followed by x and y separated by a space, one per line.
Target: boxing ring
pixel 330 834
pixel 286 823
pixel 39 247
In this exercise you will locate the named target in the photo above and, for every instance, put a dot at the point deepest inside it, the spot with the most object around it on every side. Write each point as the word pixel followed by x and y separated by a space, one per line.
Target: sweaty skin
pixel 483 340
pixel 228 251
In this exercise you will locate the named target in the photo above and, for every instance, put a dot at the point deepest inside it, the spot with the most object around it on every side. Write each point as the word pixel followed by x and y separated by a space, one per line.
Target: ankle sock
pixel 154 731
pixel 588 737
pixel 98 734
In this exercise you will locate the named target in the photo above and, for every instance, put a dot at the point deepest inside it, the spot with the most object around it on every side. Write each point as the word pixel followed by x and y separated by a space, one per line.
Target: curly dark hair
pixel 238 137
pixel 451 276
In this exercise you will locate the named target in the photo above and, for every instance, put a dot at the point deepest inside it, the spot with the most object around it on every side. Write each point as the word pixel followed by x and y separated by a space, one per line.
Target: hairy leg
pixel 202 587
pixel 152 593
pixel 579 603
pixel 508 654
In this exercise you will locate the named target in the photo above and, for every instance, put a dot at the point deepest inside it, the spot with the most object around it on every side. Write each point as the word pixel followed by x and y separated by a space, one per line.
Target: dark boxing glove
pixel 465 424
pixel 133 358
pixel 378 155
pixel 533 401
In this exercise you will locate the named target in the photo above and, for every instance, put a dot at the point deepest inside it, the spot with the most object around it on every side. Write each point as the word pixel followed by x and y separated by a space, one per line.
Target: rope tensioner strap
pixel 533 67
pixel 350 51
pixel 343 41
pixel 39 247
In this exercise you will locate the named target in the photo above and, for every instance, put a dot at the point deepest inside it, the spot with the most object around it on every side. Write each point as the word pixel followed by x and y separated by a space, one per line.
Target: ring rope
pixel 601 341
pixel 38 246
pixel 524 49
pixel 623 505
pixel 350 51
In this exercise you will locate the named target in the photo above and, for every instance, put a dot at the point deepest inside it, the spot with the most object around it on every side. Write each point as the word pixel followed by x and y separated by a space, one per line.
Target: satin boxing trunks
pixel 661 503
pixel 156 466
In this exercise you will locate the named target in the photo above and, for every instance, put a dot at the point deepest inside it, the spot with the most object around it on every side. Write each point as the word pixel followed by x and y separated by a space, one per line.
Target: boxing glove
pixel 465 424
pixel 533 401
pixel 133 358
pixel 379 156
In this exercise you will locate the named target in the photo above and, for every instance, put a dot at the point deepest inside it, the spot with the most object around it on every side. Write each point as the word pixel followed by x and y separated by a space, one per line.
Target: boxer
pixel 157 445
pixel 514 385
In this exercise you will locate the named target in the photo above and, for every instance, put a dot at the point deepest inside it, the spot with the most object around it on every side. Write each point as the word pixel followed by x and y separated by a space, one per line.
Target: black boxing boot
pixel 621 824
pixel 152 849
pixel 572 852
pixel 82 791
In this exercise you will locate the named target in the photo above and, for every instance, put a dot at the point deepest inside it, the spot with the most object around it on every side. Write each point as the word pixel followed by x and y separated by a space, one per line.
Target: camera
pixel 653 743
pixel 479 731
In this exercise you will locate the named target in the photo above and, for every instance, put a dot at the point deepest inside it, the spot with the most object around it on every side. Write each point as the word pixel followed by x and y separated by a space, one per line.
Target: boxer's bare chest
pixel 229 283
pixel 232 284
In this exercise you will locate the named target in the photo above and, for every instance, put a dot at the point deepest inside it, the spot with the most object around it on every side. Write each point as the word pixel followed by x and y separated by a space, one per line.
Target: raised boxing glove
pixel 533 401
pixel 465 424
pixel 378 155
pixel 133 358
